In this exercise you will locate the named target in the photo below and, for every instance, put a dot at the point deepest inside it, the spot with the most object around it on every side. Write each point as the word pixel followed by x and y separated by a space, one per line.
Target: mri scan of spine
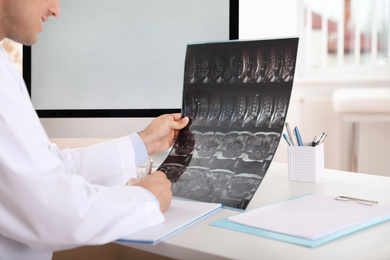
pixel 206 69
pixel 253 105
pixel 279 116
pixel 237 96
pixel 203 109
pixel 227 111
pixel 244 72
pixel 239 111
pixel 267 105
pixel 219 69
pixel 191 105
pixel 273 66
pixel 259 67
pixel 215 109
pixel 287 73
pixel 192 70
pixel 232 74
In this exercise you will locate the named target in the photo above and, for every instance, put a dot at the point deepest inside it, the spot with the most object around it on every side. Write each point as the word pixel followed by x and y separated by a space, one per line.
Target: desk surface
pixel 202 241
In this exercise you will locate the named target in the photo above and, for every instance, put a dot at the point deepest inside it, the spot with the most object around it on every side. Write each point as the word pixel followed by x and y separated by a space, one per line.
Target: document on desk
pixel 309 220
pixel 180 215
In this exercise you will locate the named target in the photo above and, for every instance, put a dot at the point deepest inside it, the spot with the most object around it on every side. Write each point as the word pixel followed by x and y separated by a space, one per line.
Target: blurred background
pixel 342 78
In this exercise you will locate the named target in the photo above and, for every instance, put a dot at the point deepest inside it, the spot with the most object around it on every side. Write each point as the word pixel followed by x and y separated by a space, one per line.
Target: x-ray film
pixel 237 95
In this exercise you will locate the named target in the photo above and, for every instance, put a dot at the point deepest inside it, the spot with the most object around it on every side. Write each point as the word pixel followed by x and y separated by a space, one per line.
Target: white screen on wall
pixel 121 54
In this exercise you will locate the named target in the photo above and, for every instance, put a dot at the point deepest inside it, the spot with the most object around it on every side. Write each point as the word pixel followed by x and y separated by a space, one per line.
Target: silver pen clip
pixel 149 166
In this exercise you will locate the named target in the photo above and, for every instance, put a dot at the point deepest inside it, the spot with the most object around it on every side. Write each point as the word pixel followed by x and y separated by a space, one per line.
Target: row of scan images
pixel 241 110
pixel 219 186
pixel 219 167
pixel 261 64
pixel 248 146
pixel 175 166
pixel 231 182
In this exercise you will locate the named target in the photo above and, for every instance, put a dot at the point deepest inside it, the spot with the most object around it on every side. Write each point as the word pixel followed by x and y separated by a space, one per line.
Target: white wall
pixel 268 19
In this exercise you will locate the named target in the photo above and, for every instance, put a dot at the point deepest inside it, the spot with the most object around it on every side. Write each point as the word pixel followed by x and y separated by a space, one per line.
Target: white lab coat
pixel 53 200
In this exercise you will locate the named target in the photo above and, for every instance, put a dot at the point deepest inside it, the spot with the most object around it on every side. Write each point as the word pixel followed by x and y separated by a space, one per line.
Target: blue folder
pixel 225 223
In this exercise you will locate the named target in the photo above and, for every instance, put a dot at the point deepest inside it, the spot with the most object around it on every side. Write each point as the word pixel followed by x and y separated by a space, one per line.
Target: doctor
pixel 53 199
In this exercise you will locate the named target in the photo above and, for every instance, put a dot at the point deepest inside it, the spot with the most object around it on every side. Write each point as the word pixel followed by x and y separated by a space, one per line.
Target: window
pixel 346 35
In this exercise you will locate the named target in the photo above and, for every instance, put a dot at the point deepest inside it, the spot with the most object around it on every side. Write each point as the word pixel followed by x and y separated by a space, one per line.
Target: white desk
pixel 202 241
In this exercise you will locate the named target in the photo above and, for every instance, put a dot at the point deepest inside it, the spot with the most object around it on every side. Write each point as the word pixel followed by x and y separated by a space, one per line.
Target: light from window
pixel 346 33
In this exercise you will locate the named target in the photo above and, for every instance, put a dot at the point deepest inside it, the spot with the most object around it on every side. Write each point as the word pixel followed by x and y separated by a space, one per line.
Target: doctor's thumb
pixel 182 122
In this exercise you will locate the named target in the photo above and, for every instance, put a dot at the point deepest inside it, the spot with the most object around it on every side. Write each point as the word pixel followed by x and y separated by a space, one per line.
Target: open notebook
pixel 180 214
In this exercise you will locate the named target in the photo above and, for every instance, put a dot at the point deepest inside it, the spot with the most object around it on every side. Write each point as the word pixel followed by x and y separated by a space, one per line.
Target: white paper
pixel 311 217
pixel 180 214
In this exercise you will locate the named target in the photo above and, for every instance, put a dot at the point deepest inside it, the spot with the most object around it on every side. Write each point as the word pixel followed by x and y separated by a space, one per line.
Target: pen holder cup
pixel 305 163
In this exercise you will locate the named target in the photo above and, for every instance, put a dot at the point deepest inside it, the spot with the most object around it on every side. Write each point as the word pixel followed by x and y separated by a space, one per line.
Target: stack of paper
pixel 180 214
pixel 308 220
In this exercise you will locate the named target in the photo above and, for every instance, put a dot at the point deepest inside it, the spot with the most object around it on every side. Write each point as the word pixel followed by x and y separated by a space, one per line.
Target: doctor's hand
pixel 162 131
pixel 158 184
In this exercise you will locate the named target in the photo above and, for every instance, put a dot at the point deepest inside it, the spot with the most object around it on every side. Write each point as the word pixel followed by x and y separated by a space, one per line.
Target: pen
pixel 287 140
pixel 314 143
pixel 298 135
pixel 149 165
pixel 290 136
pixel 320 140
